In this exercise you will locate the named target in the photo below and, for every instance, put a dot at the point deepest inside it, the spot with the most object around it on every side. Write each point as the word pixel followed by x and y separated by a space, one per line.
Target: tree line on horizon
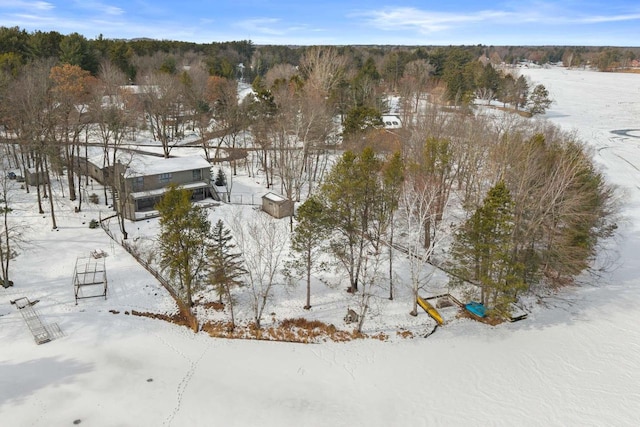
pixel 18 46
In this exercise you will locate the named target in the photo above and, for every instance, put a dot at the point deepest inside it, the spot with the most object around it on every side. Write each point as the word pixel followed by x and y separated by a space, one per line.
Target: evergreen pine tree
pixel 307 241
pixel 184 238
pixel 360 119
pixel 539 100
pixel 221 179
pixel 351 195
pixel 226 267
pixel 483 250
pixel 521 92
pixel 392 179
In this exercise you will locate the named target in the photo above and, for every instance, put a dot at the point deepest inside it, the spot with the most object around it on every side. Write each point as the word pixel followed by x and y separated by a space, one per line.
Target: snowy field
pixel 574 362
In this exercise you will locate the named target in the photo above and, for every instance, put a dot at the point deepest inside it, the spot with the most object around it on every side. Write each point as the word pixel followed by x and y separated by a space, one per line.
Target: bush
pixel 94 223
pixel 221 179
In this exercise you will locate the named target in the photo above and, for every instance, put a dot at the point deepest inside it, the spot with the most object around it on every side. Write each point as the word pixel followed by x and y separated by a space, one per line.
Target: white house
pixel 391 122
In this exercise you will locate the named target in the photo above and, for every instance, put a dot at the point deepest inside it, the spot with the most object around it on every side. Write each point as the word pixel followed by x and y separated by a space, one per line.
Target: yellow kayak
pixel 431 311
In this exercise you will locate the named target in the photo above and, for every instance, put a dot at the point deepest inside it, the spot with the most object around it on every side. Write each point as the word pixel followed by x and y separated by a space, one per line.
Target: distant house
pixel 96 168
pixel 277 206
pixel 145 179
pixel 36 178
pixel 391 122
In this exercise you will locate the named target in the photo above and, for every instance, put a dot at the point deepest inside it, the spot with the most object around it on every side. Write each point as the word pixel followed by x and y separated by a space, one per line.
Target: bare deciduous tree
pixel 300 127
pixel 71 88
pixel 161 100
pixel 114 119
pixel 31 120
pixel 371 279
pixel 279 72
pixel 418 201
pixel 322 68
pixel 415 81
pixel 10 231
pixel 262 240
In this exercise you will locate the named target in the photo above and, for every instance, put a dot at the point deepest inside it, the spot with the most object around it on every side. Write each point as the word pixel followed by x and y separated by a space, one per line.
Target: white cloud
pixel 427 21
pixel 42 5
pixel 612 18
pixel 98 6
pixel 270 26
pixel 30 5
pixel 274 30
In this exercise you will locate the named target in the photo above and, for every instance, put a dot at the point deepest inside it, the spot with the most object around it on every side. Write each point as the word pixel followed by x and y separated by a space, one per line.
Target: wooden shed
pixel 277 206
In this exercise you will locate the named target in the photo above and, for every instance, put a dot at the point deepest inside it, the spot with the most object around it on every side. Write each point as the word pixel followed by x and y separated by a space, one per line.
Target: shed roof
pixel 274 197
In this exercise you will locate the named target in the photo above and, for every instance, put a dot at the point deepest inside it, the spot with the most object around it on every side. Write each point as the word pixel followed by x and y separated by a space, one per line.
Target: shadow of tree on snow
pixel 18 380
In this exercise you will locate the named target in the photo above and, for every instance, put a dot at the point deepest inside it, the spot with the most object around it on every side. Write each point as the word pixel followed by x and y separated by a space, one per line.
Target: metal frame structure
pixel 90 272
pixel 41 333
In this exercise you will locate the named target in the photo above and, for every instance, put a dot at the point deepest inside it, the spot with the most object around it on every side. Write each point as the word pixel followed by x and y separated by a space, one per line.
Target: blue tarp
pixel 476 308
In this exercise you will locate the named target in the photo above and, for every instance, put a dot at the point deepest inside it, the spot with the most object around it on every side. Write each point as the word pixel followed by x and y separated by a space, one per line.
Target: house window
pixel 138 183
pixel 197 175
pixel 197 194
pixel 165 178
pixel 146 204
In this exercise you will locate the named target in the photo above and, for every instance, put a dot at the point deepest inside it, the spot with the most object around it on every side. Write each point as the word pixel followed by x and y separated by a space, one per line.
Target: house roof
pixel 142 165
pixel 391 122
pixel 138 89
pixel 146 165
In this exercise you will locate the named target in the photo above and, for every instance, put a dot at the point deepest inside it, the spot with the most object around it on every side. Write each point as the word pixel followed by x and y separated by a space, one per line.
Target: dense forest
pixel 528 205
pixel 17 47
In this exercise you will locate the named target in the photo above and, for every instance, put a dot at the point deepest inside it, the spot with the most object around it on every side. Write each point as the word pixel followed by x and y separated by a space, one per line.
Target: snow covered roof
pixel 142 165
pixel 138 89
pixel 274 197
pixel 391 122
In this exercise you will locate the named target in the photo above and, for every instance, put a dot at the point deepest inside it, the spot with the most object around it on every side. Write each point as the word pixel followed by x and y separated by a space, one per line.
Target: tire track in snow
pixel 617 155
pixel 627 161
pixel 621 140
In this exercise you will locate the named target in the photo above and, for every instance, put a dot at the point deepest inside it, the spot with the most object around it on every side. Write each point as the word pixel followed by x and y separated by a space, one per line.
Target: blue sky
pixel 302 22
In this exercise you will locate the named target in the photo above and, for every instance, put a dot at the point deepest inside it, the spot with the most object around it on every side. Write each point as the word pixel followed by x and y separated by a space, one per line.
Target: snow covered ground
pixel 575 360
